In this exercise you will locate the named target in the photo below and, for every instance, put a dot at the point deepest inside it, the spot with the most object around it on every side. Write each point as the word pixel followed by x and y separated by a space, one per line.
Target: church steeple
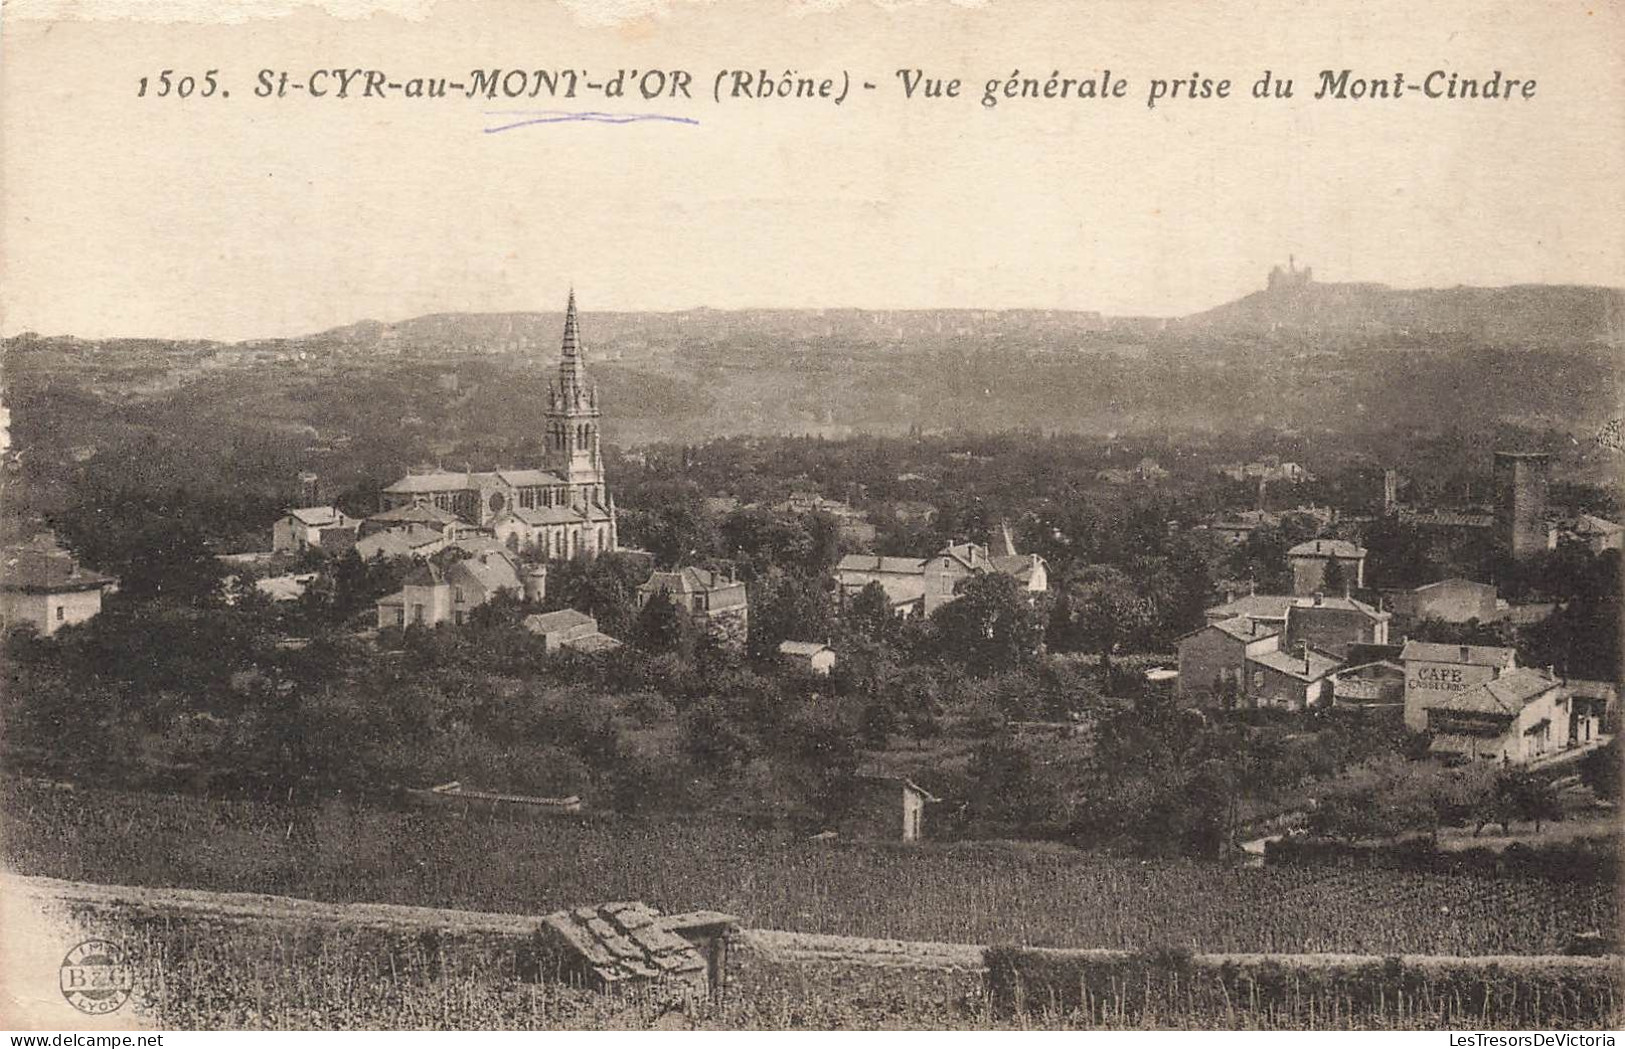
pixel 573 350
pixel 572 413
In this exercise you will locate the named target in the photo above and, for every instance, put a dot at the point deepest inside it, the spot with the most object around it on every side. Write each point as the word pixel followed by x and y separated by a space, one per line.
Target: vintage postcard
pixel 999 514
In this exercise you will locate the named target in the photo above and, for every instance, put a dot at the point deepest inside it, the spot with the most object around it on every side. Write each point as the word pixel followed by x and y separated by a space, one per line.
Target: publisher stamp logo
pixel 95 978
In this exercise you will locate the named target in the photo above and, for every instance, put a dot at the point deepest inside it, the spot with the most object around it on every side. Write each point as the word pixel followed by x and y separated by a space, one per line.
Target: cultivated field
pixel 206 960
pixel 986 893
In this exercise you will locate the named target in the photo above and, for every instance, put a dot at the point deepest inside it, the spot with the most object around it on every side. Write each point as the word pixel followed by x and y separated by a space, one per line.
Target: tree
pixel 1107 609
pixel 1599 770
pixel 989 626
pixel 660 624
pixel 868 613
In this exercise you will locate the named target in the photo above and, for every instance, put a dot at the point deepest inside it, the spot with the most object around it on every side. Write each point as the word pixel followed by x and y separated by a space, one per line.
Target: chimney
pixel 1303 653
pixel 1252 587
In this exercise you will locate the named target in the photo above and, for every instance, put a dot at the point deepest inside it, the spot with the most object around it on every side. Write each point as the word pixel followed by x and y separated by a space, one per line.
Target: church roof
pixel 529 478
pixel 546 515
pixel 440 481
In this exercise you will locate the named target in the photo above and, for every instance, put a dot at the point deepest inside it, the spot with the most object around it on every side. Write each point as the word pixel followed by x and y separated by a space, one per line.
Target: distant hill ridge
pixel 1544 313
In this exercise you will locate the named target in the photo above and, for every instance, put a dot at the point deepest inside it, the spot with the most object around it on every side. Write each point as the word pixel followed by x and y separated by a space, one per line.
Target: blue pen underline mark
pixel 530 117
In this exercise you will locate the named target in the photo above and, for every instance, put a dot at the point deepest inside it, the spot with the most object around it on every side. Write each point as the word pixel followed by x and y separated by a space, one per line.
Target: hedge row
pixel 1173 988
pixel 1583 860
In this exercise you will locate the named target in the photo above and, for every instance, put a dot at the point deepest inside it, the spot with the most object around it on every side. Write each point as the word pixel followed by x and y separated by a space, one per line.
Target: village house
pixel 419 516
pixel 1515 718
pixel 43 586
pixel 1213 659
pixel 1451 600
pixel 921 586
pixel 432 594
pixel 811 656
pixel 1312 563
pixel 1433 671
pixel 569 629
pixel 313 528
pixel 411 541
pixel 902 578
pixel 1299 679
pixel 714 602
pixel 1334 624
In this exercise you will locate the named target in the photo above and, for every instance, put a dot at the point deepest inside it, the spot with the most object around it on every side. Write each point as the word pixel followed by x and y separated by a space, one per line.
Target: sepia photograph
pixel 814 516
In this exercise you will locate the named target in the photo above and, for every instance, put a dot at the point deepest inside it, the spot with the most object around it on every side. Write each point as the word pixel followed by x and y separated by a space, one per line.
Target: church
pixel 562 510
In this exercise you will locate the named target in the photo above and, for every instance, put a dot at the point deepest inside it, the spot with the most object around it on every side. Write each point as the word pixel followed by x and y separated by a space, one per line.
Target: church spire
pixel 572 335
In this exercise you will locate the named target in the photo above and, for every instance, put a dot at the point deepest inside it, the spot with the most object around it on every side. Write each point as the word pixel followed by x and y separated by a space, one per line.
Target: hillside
pixel 1529 313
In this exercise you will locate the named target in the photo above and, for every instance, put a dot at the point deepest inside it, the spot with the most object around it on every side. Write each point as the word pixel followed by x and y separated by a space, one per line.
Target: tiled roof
pixel 876 564
pixel 1258 606
pixel 563 619
pixel 1326 548
pixel 397 542
pixel 416 512
pixel 1506 695
pixel 39 569
pixel 491 574
pixel 1020 566
pixel 625 941
pixel 690 580
pixel 1319 664
pixel 1446 518
pixel 1454 582
pixel 1470 655
pixel 1240 628
pixel 1344 604
pixel 317 516
pixel 801 648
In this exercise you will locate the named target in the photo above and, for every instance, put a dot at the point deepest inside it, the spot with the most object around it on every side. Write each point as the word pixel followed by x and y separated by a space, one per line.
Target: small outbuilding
pixel 809 655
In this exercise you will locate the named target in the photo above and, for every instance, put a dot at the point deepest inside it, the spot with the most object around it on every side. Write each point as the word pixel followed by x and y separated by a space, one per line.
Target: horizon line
pixel 310 333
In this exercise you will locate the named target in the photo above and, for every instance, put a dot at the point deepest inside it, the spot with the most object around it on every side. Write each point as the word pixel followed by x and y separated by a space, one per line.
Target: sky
pixel 243 217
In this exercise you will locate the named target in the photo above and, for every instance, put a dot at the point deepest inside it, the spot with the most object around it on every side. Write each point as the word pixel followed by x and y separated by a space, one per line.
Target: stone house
pixel 433 594
pixel 1433 671
pixel 1295 680
pixel 1451 600
pixel 569 629
pixel 313 528
pixel 1311 562
pixel 1334 624
pixel 716 603
pixel 1521 715
pixel 1213 659
pixel 42 585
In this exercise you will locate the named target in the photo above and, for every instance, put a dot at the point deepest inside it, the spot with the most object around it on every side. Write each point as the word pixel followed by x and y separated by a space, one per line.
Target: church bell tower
pixel 572 450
